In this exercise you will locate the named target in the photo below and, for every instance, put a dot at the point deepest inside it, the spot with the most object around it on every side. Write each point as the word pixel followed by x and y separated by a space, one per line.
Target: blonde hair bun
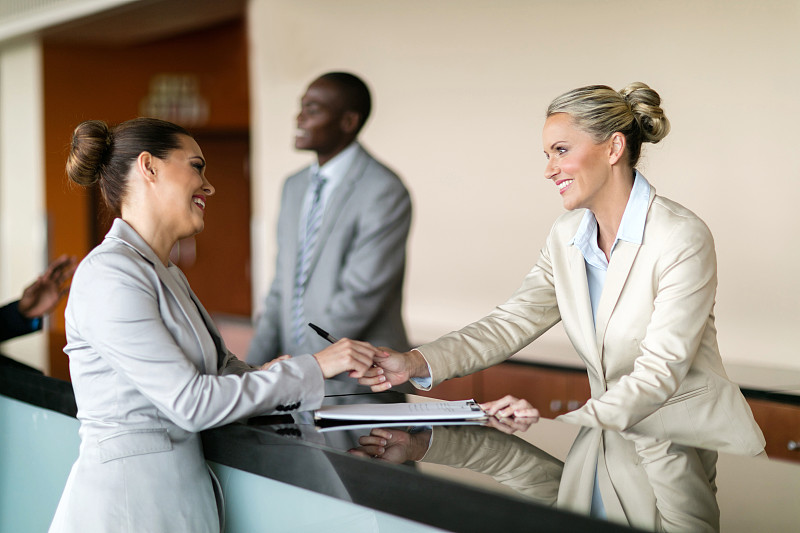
pixel 645 105
pixel 599 110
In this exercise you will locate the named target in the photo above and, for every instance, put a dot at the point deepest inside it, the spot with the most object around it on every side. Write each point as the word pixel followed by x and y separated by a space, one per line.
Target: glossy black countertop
pixel 330 461
pixel 478 478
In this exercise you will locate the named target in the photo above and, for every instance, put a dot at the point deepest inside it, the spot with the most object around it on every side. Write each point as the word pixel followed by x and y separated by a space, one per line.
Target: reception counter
pixel 284 473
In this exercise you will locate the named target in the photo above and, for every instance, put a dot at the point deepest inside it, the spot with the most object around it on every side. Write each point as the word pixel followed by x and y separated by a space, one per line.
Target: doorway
pixel 116 82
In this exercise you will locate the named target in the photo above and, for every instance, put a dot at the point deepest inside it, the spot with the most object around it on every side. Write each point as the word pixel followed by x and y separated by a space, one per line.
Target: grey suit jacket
pixel 652 357
pixel 355 285
pixel 150 370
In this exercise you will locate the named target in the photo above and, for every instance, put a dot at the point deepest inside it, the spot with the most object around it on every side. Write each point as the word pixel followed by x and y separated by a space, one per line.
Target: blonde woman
pixel 632 275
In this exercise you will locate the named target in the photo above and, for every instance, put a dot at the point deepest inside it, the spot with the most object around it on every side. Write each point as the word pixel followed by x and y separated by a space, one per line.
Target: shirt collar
pixel 336 168
pixel 631 228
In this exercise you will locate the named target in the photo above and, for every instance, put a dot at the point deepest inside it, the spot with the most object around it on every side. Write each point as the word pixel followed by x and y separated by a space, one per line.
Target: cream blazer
pixel 652 358
pixel 150 371
pixel 644 483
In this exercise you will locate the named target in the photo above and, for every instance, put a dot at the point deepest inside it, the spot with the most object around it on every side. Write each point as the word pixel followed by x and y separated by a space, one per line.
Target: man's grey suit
pixel 355 284
pixel 150 371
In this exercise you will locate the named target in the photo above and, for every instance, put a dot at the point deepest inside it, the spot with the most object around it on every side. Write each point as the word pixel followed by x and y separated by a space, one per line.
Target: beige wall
pixel 22 216
pixel 460 90
pixel 23 220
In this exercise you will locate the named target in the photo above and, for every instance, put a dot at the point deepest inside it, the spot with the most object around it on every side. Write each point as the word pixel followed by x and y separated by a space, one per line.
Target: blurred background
pixel 460 88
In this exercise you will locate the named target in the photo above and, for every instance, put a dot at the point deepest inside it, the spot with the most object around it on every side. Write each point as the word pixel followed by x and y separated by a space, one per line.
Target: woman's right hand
pixel 394 368
pixel 346 355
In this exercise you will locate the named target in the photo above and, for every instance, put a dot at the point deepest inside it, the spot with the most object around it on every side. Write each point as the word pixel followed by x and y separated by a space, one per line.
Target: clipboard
pixel 403 412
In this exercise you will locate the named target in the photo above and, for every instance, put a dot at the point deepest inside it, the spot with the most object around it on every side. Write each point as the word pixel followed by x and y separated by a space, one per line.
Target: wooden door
pixel 217 261
pixel 91 80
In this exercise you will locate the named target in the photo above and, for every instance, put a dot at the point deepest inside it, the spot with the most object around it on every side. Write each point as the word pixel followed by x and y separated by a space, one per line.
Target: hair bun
pixel 645 103
pixel 91 145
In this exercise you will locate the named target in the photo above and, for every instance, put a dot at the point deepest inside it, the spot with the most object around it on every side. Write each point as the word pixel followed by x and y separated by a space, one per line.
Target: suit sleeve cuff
pixel 13 324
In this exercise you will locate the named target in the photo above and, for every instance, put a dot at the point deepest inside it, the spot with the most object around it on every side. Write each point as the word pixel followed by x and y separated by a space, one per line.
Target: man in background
pixel 342 232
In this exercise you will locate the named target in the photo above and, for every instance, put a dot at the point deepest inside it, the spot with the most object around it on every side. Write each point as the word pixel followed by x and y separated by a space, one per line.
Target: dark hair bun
pixel 645 104
pixel 91 145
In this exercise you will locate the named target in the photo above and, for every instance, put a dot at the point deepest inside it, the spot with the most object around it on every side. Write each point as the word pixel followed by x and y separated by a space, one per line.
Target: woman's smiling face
pixel 183 189
pixel 576 164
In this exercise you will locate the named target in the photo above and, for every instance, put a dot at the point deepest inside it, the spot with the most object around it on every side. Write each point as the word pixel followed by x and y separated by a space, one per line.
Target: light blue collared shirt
pixel 334 172
pixel 631 229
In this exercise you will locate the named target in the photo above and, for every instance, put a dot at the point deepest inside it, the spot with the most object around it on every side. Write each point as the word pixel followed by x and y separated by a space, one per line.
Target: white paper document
pixel 324 426
pixel 460 410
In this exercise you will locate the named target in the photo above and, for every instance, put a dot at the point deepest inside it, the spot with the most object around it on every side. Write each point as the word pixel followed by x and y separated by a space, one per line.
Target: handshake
pixel 377 368
pixel 382 368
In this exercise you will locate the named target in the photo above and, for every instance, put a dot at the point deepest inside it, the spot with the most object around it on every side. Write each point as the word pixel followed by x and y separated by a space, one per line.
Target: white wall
pixel 460 90
pixel 22 217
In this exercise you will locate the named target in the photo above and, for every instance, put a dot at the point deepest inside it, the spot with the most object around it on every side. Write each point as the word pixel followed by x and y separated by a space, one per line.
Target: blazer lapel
pixel 583 306
pixel 618 269
pixel 212 361
pixel 209 359
pixel 121 231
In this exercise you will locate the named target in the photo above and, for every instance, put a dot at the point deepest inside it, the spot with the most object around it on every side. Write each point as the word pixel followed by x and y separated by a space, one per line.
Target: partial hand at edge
pixel 41 297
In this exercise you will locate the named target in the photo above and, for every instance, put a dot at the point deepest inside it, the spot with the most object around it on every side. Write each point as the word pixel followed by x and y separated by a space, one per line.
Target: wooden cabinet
pixel 455 389
pixel 780 423
pixel 557 390
pixel 553 391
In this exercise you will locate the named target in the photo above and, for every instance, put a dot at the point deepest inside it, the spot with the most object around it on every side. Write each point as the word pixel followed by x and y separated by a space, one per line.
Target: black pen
pixel 322 333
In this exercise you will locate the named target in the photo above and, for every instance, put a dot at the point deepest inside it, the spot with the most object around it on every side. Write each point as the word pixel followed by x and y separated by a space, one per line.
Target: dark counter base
pixel 28 384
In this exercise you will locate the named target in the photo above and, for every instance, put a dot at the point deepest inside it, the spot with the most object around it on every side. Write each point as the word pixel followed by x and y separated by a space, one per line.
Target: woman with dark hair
pixel 148 366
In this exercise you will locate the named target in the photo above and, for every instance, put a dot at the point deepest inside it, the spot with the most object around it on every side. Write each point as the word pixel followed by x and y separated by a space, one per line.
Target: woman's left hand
pixel 509 406
pixel 511 425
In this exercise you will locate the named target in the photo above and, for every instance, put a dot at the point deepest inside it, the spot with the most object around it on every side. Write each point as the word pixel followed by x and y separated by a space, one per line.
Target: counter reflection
pixel 635 480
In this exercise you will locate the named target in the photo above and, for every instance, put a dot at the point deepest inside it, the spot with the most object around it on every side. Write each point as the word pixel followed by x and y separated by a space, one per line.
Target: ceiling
pixel 144 21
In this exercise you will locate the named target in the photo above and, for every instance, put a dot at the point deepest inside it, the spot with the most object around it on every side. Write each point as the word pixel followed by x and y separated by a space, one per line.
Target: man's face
pixel 321 123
